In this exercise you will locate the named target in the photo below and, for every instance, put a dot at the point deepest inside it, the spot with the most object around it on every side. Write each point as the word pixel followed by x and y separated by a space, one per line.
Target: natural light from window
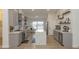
pixel 38 26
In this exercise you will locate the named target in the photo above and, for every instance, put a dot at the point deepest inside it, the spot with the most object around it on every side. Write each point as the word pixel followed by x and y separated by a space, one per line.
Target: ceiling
pixel 38 12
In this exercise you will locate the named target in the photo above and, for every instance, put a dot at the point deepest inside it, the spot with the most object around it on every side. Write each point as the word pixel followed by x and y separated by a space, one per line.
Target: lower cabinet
pixel 15 39
pixel 64 38
pixel 39 38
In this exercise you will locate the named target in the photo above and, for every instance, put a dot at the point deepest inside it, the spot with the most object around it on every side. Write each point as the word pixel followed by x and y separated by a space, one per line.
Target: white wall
pixel 51 23
pixel 68 15
pixel 75 28
pixel 5 41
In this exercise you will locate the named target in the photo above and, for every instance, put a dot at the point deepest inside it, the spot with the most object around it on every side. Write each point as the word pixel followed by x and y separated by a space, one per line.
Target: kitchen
pixel 46 28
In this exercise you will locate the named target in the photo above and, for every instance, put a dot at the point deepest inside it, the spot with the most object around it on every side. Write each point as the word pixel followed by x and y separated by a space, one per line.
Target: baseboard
pixel 75 46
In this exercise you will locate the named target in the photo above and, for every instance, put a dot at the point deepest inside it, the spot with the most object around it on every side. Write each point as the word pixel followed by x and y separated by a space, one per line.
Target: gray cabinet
pixel 64 38
pixel 67 40
pixel 15 39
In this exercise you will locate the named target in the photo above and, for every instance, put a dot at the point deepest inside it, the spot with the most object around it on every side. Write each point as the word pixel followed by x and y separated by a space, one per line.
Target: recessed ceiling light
pixel 33 9
pixel 48 9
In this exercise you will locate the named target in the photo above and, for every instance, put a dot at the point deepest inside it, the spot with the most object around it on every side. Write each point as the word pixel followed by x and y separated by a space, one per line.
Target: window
pixel 38 26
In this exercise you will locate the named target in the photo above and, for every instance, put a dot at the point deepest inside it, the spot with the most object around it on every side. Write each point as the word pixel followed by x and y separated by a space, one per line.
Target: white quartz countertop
pixel 62 31
pixel 16 32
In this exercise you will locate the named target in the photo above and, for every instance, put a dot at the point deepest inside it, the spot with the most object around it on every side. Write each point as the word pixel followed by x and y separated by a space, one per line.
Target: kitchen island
pixel 40 38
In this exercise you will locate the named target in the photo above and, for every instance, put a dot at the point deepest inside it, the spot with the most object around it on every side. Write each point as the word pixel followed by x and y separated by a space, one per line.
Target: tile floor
pixel 51 44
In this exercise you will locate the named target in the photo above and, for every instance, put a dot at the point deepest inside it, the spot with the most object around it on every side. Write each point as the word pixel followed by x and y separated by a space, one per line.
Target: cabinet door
pixel 13 42
pixel 61 38
pixel 67 40
pixel 20 38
